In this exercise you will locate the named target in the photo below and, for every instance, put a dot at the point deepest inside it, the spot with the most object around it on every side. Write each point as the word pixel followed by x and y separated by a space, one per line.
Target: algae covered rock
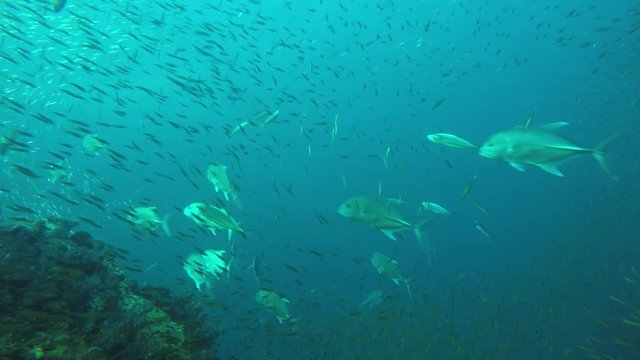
pixel 62 296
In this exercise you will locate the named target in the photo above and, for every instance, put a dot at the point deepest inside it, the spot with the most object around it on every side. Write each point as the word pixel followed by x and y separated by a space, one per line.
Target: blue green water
pixel 358 86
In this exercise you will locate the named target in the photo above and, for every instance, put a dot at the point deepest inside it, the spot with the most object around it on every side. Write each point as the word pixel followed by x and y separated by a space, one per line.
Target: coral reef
pixel 63 297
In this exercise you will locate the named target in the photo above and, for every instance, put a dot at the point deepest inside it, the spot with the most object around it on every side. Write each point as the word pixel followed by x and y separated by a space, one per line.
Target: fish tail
pixel 598 154
pixel 419 233
pixel 237 202
pixel 427 248
pixel 418 228
pixel 423 238
pixel 165 224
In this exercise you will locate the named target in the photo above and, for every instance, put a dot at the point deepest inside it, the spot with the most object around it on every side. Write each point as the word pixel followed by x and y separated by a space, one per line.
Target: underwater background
pixel 527 265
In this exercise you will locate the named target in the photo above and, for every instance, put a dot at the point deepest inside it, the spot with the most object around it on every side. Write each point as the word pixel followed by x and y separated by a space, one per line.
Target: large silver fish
pixel 201 267
pixel 540 146
pixel 147 218
pixel 212 218
pixel 389 267
pixel 380 213
pixel 384 215
pixel 274 302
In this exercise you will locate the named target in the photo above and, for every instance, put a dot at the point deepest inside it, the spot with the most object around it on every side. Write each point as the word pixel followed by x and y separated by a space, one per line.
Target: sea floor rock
pixel 62 296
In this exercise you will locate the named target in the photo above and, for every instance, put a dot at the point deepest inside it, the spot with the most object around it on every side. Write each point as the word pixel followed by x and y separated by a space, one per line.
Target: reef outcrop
pixel 62 296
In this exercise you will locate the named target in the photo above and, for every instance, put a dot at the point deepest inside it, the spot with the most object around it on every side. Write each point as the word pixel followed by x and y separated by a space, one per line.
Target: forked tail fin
pixel 423 238
pixel 598 154
pixel 165 224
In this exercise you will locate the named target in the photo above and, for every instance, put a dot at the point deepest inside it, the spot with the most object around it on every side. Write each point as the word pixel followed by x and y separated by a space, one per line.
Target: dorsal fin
pixel 554 125
pixel 526 125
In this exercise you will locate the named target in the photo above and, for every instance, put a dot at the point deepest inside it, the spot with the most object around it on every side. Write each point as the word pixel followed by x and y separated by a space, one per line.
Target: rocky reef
pixel 62 296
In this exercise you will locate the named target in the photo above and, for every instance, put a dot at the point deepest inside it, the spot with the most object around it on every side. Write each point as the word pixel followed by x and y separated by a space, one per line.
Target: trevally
pixel 540 146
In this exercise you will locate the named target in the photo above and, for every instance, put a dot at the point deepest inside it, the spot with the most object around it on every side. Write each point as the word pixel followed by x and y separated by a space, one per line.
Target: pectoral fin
pixel 398 221
pixel 551 169
pixel 517 166
pixel 390 234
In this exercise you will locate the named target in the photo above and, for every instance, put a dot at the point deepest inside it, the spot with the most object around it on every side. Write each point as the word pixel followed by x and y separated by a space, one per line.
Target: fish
pixel 450 140
pixel 389 267
pixel 542 147
pixel 58 173
pixel 211 217
pixel 372 299
pixel 92 144
pixel 25 171
pixel 58 5
pixel 468 188
pixel 239 127
pixel 383 214
pixel 270 118
pixel 380 213
pixel 481 208
pixel 200 267
pixel 147 218
pixel 217 175
pixel 482 229
pixel 5 144
pixel 435 208
pixel 275 303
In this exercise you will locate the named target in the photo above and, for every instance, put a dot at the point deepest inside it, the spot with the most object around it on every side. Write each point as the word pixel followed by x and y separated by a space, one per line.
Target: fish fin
pixel 229 232
pixel 236 201
pixel 390 234
pixel 396 281
pixel 554 125
pixel 551 169
pixel 228 267
pixel 408 287
pixel 526 125
pixel 393 201
pixel 213 231
pixel 569 147
pixel 226 196
pixel 598 154
pixel 165 224
pixel 422 237
pixel 280 318
pixel 517 166
pixel 424 222
pixel 253 270
pixel 427 248
pixel 399 221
